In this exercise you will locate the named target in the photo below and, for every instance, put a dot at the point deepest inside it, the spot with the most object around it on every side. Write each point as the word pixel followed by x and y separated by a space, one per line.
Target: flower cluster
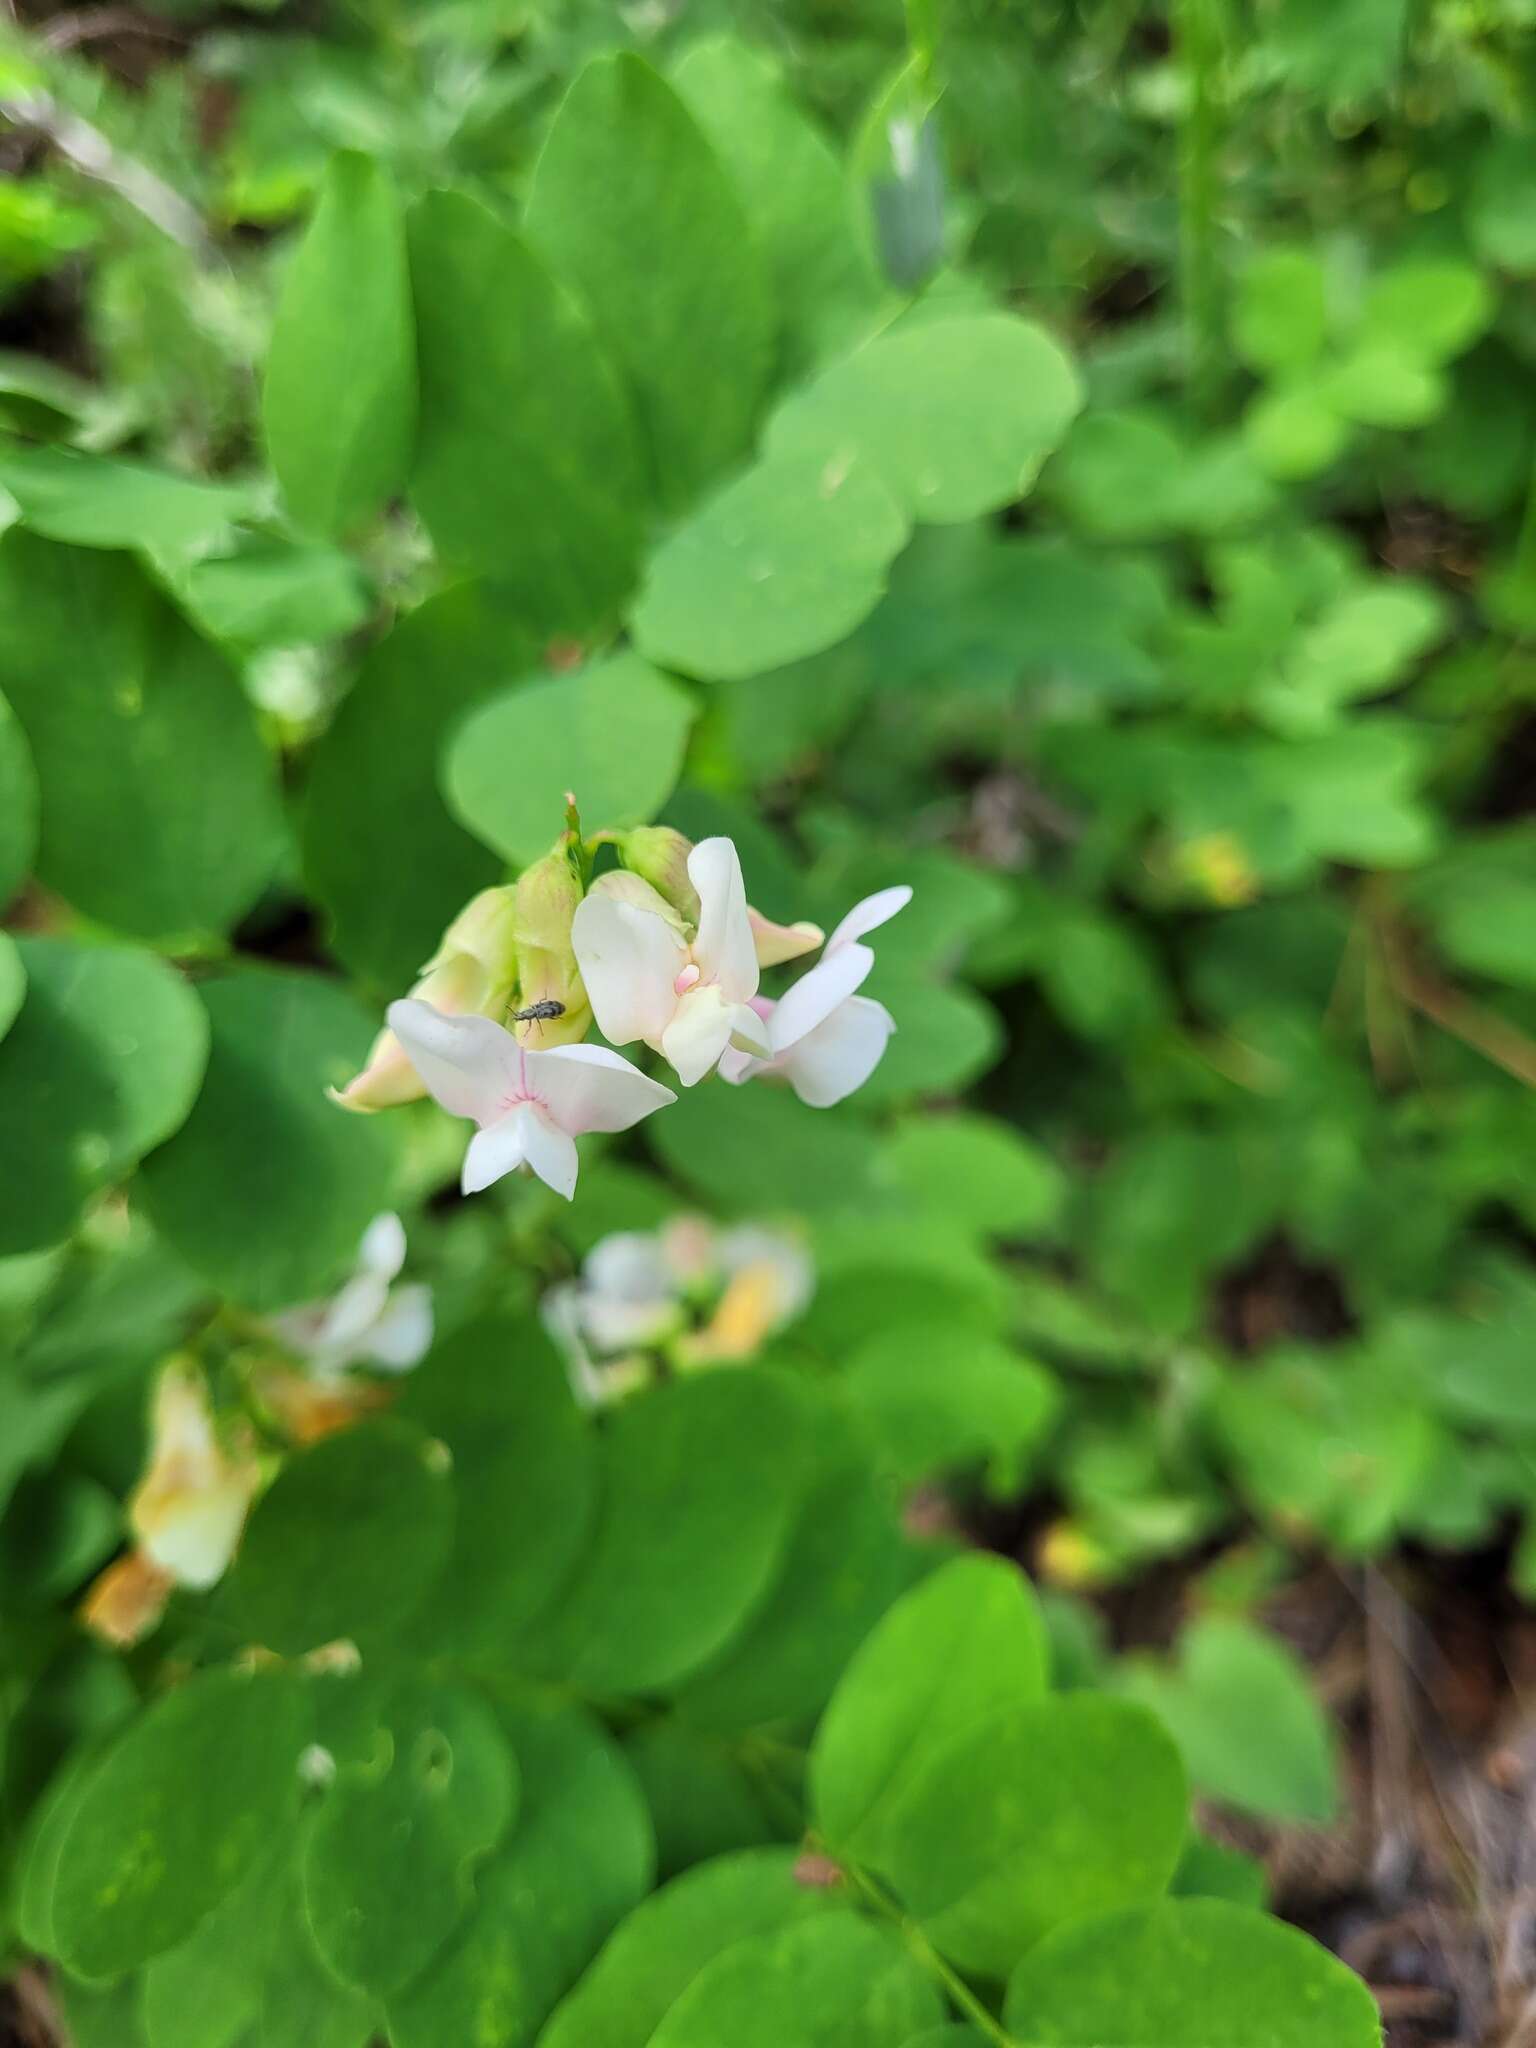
pixel 663 950
pixel 675 1299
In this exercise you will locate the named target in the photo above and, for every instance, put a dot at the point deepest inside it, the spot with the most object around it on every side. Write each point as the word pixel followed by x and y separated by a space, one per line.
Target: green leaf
pixel 791 182
pixel 1232 1678
pixel 13 982
pixel 692 1526
pixel 1032 1819
pixel 814 1160
pixel 578 1860
pixel 160 811
pixel 781 563
pixel 976 1172
pixel 1209 1871
pixel 835 1981
pixel 956 415
pixel 18 805
pixel 1295 429
pixel 380 850
pixel 1381 383
pixel 174 1816
pixel 947 1656
pixel 388 1860
pixel 1428 311
pixel 91 501
pixel 101 1064
pixel 347 1541
pixel 843 1564
pixel 524 1483
pixel 1184 1974
pixel 937 1399
pixel 704 1800
pixel 527 465
pixel 946 1037
pixel 207 1992
pixel 339 399
pixel 1280 319
pixel 273 593
pixel 632 207
pixel 614 734
pixel 655 1955
pixel 268 1186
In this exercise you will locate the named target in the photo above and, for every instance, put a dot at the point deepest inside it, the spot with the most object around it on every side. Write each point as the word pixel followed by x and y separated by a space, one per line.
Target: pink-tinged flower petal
pixel 629 958
pixel 867 916
pixel 723 946
pixel 777 943
pixel 496 1150
pixel 699 1033
pixel 834 978
pixel 737 1067
pixel 589 1088
pixel 749 1034
pixel 840 1054
pixel 468 1063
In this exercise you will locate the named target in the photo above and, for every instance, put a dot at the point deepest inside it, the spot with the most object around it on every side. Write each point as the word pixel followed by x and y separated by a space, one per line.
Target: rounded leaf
pixel 346 1541
pixel 174 1815
pixel 1184 1974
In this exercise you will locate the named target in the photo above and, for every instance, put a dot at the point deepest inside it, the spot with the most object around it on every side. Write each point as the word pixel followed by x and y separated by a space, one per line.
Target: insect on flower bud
pixel 552 1007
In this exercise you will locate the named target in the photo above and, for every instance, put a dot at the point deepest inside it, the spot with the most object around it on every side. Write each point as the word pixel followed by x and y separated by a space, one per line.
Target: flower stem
pixel 1200 30
pixel 961 1995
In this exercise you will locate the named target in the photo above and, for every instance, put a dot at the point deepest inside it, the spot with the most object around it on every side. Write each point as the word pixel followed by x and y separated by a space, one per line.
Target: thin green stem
pixel 923 41
pixel 1199 26
pixel 961 1994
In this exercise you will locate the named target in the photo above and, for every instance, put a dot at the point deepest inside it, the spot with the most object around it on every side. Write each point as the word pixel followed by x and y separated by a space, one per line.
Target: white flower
pixel 531 1106
pixel 823 1037
pixel 637 1288
pixel 368 1322
pixel 686 998
pixel 189 1508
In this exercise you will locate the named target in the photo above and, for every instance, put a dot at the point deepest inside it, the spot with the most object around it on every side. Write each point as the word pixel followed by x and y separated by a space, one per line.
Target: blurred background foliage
pixel 1200 1171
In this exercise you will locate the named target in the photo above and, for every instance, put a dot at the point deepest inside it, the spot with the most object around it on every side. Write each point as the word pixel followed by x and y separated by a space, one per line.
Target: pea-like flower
pixel 824 1038
pixel 189 1508
pixel 684 987
pixel 368 1321
pixel 530 1106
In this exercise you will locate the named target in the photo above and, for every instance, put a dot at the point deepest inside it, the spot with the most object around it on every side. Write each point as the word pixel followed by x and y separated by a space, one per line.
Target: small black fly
pixel 539 1013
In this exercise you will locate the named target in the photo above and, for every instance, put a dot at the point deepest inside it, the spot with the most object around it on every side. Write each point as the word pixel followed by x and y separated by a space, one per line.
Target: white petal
pixel 724 946
pixel 699 1033
pixel 402 1336
pixel 468 1063
pixel 382 1250
pixel 551 1152
pixel 348 1320
pixel 841 1053
pixel 194 1537
pixel 497 1150
pixel 871 913
pixel 629 959
pixel 630 1265
pixel 817 994
pixel 737 1067
pixel 749 1034
pixel 589 1088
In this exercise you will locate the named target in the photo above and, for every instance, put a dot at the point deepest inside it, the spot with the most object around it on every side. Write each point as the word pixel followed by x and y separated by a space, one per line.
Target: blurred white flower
pixel 687 998
pixel 531 1106
pixel 368 1321
pixel 689 1293
pixel 189 1508
pixel 824 1038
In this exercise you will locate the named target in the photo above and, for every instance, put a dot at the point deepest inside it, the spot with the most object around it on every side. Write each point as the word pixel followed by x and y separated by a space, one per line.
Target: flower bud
pixel 472 973
pixel 660 856
pixel 777 943
pixel 546 898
